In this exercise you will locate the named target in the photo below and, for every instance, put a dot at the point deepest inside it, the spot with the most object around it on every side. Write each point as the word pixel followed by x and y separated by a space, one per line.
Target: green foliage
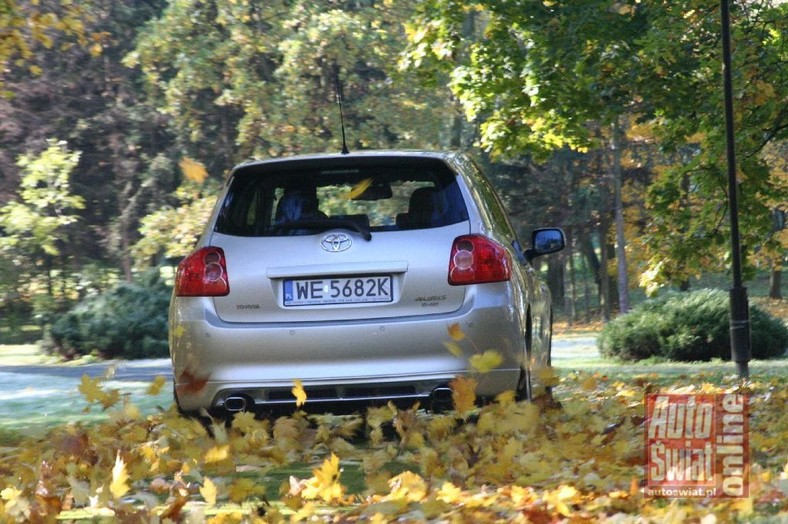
pixel 26 26
pixel 173 231
pixel 540 76
pixel 36 222
pixel 688 327
pixel 37 228
pixel 242 79
pixel 129 321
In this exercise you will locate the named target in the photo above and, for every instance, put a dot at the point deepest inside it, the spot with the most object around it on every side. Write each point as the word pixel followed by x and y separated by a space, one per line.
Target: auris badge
pixel 336 242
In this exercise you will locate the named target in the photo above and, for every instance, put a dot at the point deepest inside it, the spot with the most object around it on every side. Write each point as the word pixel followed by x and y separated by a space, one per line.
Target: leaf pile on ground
pixel 507 461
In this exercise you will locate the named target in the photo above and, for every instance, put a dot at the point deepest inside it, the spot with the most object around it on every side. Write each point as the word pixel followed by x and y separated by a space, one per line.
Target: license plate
pixel 340 290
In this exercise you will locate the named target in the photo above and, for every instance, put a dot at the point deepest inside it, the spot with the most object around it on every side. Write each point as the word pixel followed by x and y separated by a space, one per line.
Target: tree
pixel 545 75
pixel 26 25
pixel 540 74
pixel 84 95
pixel 240 80
pixel 688 200
pixel 37 227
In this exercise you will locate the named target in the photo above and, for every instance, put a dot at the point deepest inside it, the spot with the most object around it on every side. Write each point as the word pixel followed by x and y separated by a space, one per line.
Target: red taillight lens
pixel 476 260
pixel 202 274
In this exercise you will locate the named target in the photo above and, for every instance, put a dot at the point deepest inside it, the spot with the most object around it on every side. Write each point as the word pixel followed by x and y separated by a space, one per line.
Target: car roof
pixel 359 158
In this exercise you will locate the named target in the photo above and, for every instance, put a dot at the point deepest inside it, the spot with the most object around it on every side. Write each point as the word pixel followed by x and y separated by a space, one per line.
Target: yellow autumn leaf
pixel 450 493
pixel 245 421
pixel 506 397
pixel 91 388
pixel 376 416
pixel 455 332
pixel 463 393
pixel 453 348
pixel 325 482
pixel 110 398
pixel 409 486
pixel 547 376
pixel 15 503
pixel 561 499
pixel 193 170
pixel 244 488
pixel 359 189
pixel 299 393
pixel 157 385
pixel 217 454
pixel 119 485
pixel 208 491
pixel 486 362
pixel 589 383
pixel 178 330
pixel 10 493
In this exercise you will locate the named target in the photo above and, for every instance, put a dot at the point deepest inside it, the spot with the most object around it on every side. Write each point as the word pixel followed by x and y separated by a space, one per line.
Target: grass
pixel 25 334
pixel 34 404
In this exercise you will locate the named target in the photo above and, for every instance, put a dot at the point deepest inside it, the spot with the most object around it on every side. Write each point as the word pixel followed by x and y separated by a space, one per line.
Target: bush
pixel 688 327
pixel 129 321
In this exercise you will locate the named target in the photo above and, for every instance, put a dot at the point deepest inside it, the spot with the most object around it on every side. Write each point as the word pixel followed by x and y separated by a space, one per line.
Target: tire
pixel 524 388
pixel 524 384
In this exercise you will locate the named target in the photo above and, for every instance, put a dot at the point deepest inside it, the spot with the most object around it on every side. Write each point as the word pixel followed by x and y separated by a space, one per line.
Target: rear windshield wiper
pixel 322 225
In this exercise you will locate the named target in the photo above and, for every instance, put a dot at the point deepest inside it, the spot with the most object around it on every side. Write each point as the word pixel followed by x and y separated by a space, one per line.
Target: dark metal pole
pixel 740 311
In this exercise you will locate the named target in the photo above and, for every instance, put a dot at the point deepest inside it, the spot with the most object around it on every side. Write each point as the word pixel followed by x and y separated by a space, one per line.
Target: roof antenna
pixel 341 117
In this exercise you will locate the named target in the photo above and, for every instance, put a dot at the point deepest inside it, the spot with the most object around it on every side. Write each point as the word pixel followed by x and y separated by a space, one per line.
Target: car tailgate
pixel 395 274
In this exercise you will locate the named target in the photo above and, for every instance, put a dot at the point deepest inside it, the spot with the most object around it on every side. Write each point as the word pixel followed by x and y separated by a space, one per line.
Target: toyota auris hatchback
pixel 362 278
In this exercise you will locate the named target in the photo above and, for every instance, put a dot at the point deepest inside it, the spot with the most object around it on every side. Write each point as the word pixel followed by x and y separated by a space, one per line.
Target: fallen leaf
pixel 453 348
pixel 299 393
pixel 455 332
pixel 119 485
pixel 217 454
pixel 325 482
pixel 359 189
pixel 193 170
pixel 463 393
pixel 157 385
pixel 208 491
pixel 189 383
pixel 486 362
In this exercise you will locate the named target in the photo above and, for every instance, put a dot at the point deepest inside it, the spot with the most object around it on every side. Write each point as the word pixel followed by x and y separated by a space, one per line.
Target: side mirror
pixel 545 241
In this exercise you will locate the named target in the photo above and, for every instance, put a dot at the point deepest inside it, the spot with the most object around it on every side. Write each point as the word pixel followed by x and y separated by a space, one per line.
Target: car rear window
pixel 370 198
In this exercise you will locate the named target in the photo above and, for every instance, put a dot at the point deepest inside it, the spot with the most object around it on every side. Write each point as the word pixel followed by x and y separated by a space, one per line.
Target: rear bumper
pixel 402 359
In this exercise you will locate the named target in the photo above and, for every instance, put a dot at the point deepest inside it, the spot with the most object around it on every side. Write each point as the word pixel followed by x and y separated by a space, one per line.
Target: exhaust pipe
pixel 235 404
pixel 441 399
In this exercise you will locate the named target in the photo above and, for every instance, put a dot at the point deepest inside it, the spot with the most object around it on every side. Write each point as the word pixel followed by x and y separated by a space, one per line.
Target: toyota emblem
pixel 336 242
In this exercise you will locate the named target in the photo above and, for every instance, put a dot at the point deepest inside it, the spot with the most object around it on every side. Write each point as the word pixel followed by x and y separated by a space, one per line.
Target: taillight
pixel 476 260
pixel 202 274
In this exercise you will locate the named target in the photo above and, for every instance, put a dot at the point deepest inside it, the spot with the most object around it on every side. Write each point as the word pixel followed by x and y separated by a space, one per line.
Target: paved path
pixel 123 370
pixel 566 347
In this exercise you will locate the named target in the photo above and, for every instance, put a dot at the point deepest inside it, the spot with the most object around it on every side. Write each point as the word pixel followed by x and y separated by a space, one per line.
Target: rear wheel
pixel 524 389
pixel 524 385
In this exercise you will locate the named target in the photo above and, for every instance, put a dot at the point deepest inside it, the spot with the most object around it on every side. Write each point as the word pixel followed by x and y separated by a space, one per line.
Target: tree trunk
pixel 605 299
pixel 621 256
pixel 775 282
pixel 572 295
pixel 591 261
pixel 555 278
pixel 586 292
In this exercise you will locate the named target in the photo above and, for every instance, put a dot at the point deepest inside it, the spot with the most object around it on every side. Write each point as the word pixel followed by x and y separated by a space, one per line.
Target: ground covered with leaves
pixel 507 461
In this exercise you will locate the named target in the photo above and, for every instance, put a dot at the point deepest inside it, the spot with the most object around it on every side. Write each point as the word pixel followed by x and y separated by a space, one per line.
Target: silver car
pixel 362 278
